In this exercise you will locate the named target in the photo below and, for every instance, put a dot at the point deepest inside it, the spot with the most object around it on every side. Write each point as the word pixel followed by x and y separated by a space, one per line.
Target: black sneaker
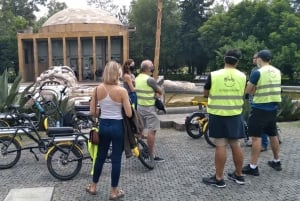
pixel 248 170
pixel 235 178
pixel 158 159
pixel 214 182
pixel 275 165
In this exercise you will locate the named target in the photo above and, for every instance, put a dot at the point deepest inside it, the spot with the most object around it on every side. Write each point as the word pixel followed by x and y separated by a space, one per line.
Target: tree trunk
pixel 157 37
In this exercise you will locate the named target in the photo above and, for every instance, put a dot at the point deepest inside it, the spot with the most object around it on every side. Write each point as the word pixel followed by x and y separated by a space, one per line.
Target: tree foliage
pixel 269 24
pixel 15 16
pixel 22 8
pixel 194 14
pixel 142 42
pixel 106 5
pixel 53 7
pixel 194 33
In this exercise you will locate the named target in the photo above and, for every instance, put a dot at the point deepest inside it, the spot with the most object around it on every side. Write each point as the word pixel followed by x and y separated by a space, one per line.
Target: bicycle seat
pixel 60 131
pixel 82 108
pixel 83 114
pixel 26 116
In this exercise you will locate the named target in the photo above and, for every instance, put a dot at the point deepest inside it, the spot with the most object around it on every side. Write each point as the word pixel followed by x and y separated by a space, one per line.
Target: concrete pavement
pixel 178 178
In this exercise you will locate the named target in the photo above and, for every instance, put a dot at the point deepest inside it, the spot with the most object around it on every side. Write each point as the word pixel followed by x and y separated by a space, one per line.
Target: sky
pixel 82 3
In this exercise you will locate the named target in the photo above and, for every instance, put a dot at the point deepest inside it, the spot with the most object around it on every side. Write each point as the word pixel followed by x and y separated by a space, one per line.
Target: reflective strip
pixel 268 86
pixel 145 98
pixel 226 97
pixel 144 91
pixel 223 107
pixel 268 93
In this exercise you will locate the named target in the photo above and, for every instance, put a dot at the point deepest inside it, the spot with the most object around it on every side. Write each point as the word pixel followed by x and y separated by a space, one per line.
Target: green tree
pixel 194 14
pixel 9 26
pixel 272 24
pixel 248 47
pixel 53 7
pixel 142 42
pixel 15 16
pixel 22 8
pixel 295 4
pixel 106 5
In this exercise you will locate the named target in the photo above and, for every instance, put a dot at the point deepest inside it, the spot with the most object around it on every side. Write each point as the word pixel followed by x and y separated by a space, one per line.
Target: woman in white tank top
pixel 111 97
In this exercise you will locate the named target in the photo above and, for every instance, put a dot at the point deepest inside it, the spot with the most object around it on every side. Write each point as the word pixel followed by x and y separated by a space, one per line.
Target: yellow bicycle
pixel 196 124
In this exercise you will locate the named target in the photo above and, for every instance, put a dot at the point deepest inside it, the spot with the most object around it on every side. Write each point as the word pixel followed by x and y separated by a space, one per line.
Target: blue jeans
pixel 111 132
pixel 264 140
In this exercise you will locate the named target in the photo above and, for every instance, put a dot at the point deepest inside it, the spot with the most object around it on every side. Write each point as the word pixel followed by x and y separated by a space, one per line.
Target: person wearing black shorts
pixel 265 85
pixel 225 91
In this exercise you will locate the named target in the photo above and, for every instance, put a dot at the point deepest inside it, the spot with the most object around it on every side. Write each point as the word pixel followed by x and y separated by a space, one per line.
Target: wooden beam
pixel 157 38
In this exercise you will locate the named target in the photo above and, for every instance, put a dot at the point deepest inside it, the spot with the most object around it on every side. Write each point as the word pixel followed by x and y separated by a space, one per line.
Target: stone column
pixel 35 58
pixel 125 46
pixel 21 59
pixel 50 57
pixel 94 57
pixel 79 59
pixel 108 48
pixel 64 50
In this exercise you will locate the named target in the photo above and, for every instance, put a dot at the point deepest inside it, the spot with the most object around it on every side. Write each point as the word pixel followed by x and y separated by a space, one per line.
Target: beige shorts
pixel 150 118
pixel 219 142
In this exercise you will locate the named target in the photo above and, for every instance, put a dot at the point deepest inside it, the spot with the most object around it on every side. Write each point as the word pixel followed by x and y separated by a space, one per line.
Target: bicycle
pixel 61 156
pixel 196 125
pixel 63 148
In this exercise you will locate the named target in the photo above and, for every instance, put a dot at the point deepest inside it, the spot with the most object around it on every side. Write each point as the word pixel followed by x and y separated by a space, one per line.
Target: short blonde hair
pixel 112 73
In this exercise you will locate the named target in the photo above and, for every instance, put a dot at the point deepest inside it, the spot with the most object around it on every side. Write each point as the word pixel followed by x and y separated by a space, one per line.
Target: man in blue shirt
pixel 265 85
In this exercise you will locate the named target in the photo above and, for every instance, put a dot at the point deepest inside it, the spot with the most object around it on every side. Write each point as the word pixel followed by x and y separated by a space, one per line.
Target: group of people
pixel 138 93
pixel 225 89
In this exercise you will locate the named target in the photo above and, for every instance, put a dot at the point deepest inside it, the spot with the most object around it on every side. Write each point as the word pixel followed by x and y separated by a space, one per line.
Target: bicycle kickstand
pixel 36 157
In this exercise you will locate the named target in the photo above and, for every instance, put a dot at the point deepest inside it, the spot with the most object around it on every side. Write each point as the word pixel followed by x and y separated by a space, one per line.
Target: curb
pixel 175 117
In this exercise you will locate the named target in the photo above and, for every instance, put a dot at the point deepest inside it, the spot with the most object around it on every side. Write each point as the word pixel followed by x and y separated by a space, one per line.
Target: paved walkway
pixel 179 178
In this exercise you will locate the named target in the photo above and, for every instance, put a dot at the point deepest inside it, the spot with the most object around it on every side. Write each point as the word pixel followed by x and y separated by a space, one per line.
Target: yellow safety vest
pixel 226 92
pixel 268 87
pixel 145 93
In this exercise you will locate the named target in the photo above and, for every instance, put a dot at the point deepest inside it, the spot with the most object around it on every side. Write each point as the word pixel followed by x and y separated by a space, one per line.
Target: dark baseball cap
pixel 265 55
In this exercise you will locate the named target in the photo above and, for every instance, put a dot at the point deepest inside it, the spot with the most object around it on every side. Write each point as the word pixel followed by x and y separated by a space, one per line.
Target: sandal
pixel 119 194
pixel 88 190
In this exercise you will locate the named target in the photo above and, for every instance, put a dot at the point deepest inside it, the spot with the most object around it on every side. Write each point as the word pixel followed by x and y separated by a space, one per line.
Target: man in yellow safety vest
pixel 225 91
pixel 147 89
pixel 265 85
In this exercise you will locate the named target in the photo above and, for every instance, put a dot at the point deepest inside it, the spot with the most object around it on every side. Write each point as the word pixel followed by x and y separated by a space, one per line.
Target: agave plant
pixel 9 92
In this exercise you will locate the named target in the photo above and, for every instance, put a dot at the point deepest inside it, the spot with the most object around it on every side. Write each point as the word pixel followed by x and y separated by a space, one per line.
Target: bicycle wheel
pixel 278 135
pixel 64 161
pixel 144 155
pixel 10 152
pixel 208 139
pixel 192 126
pixel 3 123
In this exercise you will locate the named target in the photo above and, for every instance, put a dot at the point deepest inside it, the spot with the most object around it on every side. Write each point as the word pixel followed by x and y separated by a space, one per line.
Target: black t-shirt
pixel 207 84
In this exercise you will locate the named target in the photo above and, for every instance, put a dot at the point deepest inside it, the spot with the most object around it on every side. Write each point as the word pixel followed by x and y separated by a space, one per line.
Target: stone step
pixel 30 194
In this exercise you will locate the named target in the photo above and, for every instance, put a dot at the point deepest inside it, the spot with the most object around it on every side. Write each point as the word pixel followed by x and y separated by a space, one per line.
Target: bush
pixel 288 110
